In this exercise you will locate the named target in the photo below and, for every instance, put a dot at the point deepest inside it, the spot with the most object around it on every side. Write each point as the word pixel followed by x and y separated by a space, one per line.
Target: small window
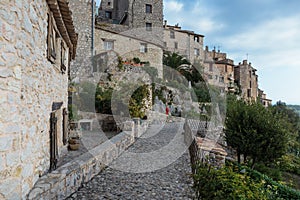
pixel 176 45
pixel 108 3
pixel 221 79
pixel 210 77
pixel 196 38
pixel 196 52
pixel 149 26
pixel 108 15
pixel 143 48
pixel 52 46
pixel 148 8
pixel 210 67
pixel 64 57
pixel 172 34
pixel 108 45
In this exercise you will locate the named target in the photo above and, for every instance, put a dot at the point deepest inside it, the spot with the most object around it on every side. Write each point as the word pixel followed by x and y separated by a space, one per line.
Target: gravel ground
pixel 170 182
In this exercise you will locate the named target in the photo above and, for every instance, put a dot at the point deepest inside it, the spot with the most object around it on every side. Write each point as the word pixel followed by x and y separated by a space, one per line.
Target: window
pixel 196 38
pixel 210 67
pixel 108 45
pixel 176 45
pixel 165 44
pixel 221 79
pixel 148 26
pixel 64 57
pixel 172 34
pixel 226 69
pixel 249 93
pixel 143 48
pixel 148 8
pixel 196 52
pixel 108 15
pixel 210 77
pixel 108 3
pixel 250 84
pixel 52 46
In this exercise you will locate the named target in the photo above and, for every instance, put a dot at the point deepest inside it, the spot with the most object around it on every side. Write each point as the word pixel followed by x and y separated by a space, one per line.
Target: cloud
pixel 173 6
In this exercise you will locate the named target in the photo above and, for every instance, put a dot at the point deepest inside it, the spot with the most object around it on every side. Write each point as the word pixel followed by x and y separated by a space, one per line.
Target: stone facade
pixel 128 47
pixel 246 77
pixel 134 14
pixel 185 43
pixel 263 98
pixel 218 69
pixel 29 85
pixel 83 21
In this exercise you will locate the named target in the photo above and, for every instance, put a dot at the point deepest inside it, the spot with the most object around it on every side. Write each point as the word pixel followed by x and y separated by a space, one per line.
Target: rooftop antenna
pixel 247 56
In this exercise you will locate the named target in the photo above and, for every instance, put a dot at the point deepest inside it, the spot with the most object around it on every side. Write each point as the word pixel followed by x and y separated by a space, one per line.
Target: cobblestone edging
pixel 64 181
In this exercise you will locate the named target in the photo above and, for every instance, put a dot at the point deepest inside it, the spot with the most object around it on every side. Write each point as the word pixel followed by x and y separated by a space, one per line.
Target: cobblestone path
pixel 170 182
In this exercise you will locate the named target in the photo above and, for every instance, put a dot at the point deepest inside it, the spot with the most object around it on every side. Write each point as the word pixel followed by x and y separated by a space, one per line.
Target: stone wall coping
pixel 65 180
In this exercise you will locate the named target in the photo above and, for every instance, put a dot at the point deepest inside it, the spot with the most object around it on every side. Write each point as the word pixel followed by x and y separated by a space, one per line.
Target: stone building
pixel 247 79
pixel 128 45
pixel 263 98
pixel 218 69
pixel 184 42
pixel 135 14
pixel 37 42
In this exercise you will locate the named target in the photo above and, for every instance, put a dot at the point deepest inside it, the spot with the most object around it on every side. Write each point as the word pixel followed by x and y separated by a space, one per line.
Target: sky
pixel 266 32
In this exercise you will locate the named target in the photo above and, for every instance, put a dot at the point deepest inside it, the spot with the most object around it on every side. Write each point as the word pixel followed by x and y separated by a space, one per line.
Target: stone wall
pixel 129 47
pixel 247 78
pixel 82 17
pixel 186 43
pixel 64 181
pixel 138 16
pixel 29 84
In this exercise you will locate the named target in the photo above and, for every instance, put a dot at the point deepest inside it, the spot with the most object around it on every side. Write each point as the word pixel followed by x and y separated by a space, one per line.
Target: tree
pixel 255 132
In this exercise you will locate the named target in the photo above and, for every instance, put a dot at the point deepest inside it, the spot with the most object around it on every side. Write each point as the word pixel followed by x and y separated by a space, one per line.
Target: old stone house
pixel 184 42
pixel 37 42
pixel 128 28
pixel 263 98
pixel 247 79
pixel 218 69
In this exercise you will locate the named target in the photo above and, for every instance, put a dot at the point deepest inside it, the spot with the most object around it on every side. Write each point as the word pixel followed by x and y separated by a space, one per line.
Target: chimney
pixel 244 62
pixel 206 48
pixel 165 23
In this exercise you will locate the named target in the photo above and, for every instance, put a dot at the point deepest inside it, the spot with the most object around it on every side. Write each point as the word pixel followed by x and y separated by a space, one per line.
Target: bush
pixel 238 182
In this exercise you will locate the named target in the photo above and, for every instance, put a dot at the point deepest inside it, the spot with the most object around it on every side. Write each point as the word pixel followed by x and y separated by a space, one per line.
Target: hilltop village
pixel 48 46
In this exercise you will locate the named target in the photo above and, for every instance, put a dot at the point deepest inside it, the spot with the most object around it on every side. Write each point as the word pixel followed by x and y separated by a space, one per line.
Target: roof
pixel 64 23
pixel 177 28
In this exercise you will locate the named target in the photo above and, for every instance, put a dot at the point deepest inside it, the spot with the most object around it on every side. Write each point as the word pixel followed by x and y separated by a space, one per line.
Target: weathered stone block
pixel 12 159
pixel 10 186
pixel 6 143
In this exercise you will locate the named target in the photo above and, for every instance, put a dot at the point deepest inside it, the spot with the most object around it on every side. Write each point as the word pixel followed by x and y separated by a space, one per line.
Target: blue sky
pixel 267 30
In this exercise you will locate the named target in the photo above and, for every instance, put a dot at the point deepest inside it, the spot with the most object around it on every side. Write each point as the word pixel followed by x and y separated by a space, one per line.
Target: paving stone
pixel 171 182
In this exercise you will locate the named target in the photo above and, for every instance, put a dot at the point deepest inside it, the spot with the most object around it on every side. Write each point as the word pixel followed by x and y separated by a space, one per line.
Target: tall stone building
pixel 184 42
pixel 37 42
pixel 135 14
pixel 247 79
pixel 218 69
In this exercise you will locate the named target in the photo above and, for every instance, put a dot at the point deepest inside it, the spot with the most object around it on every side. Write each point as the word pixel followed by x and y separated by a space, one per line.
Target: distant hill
pixel 295 107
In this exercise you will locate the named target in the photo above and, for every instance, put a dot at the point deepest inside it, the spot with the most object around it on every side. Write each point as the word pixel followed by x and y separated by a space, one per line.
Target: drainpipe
pixel 92 37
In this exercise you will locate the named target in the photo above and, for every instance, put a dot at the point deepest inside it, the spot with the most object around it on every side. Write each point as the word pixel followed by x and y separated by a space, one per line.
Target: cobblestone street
pixel 170 182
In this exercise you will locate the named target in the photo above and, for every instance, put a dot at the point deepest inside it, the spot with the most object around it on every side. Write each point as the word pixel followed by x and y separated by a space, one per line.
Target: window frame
pixel 172 34
pixel 143 48
pixel 148 8
pixel 176 45
pixel 105 45
pixel 148 26
pixel 52 50
pixel 196 52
